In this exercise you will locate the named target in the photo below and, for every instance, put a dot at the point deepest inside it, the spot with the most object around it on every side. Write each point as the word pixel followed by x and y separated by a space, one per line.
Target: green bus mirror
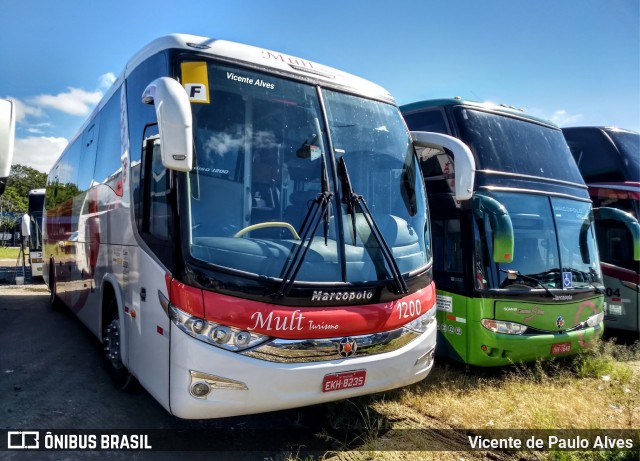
pixel 630 222
pixel 500 223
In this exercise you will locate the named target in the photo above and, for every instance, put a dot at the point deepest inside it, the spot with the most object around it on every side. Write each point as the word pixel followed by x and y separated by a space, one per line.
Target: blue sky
pixel 576 62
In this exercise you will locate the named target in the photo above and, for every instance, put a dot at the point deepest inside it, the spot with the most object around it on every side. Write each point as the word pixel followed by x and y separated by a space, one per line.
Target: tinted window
pixel 514 145
pixel 88 155
pixel 447 254
pixel 595 155
pixel 428 120
pixel 110 147
pixel 615 243
pixel 628 144
pixel 157 220
pixel 141 115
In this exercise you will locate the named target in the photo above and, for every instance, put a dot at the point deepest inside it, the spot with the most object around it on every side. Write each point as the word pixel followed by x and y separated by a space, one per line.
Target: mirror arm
pixel 464 163
pixel 175 123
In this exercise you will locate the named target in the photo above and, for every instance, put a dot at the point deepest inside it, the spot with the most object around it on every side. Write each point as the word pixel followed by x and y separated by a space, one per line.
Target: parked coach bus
pixel 609 160
pixel 253 234
pixel 7 138
pixel 517 266
pixel 36 208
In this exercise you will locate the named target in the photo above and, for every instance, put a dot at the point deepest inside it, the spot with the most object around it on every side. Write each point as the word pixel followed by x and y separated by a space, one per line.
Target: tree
pixel 24 178
pixel 15 200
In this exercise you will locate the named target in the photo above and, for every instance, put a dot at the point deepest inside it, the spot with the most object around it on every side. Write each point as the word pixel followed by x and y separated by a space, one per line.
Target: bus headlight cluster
pixel 420 324
pixel 229 338
pixel 500 326
pixel 595 320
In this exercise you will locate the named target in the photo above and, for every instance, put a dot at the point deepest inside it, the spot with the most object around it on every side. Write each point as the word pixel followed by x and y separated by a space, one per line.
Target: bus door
pixel 146 320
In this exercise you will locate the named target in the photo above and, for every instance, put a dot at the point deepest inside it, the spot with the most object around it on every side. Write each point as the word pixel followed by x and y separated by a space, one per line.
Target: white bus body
pixel 178 235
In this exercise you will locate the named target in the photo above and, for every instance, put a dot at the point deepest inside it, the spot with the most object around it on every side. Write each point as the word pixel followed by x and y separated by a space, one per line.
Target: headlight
pixel 500 326
pixel 595 320
pixel 229 338
pixel 420 324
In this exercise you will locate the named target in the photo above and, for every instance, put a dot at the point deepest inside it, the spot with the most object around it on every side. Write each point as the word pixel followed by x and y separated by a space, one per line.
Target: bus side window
pixel 157 215
pixel 615 243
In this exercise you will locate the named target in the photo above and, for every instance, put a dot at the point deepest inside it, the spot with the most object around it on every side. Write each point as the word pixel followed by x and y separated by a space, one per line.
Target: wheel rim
pixel 112 344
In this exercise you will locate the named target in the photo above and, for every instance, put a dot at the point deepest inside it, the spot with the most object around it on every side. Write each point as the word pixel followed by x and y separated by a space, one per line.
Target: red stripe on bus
pixel 620 273
pixel 316 322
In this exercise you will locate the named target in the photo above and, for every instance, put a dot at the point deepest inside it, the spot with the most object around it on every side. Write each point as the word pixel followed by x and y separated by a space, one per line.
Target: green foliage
pixel 23 178
pixel 15 199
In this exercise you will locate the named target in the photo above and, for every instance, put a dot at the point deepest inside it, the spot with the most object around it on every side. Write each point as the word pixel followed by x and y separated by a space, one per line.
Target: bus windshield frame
pixel 266 149
pixel 555 245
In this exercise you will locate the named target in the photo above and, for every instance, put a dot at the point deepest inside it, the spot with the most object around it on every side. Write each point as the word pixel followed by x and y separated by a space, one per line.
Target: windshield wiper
pixel 352 200
pixel 319 209
pixel 514 274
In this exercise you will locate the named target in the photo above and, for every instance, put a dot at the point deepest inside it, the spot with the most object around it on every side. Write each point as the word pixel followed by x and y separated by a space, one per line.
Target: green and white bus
pixel 516 266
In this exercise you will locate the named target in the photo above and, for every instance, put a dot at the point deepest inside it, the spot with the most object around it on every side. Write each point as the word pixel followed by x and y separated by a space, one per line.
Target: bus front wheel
pixel 54 301
pixel 111 340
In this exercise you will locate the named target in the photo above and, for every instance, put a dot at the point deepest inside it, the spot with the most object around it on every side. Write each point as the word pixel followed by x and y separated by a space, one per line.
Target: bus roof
pixel 602 128
pixel 258 57
pixel 457 101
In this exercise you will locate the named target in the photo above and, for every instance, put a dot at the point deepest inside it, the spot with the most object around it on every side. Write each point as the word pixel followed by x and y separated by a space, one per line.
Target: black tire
pixel 112 356
pixel 54 301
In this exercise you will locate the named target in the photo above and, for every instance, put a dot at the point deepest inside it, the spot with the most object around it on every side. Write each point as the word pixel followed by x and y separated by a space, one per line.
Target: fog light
pixel 425 359
pixel 200 389
pixel 198 325
pixel 242 338
pixel 220 335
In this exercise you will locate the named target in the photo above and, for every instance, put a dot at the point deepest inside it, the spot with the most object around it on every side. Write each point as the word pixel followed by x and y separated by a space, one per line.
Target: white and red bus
pixel 245 231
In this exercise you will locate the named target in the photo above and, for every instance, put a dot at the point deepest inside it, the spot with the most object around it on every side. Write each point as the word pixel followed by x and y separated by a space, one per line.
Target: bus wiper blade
pixel 512 275
pixel 319 209
pixel 352 200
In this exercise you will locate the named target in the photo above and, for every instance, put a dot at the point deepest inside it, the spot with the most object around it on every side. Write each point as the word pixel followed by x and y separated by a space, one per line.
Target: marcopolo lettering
pixel 344 296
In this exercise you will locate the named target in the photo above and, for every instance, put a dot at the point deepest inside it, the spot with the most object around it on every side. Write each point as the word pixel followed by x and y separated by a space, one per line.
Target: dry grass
pixel 598 389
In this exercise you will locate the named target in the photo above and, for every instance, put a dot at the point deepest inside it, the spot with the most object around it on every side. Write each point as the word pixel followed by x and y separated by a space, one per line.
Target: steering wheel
pixel 266 224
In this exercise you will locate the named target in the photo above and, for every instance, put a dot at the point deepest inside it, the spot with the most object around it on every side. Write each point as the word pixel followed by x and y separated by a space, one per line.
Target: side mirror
pixel 7 138
pixel 500 223
pixel 465 165
pixel 630 222
pixel 175 124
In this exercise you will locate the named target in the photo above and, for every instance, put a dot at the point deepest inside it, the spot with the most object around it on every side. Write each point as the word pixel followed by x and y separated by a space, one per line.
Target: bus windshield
pixel 510 145
pixel 628 144
pixel 554 246
pixel 266 155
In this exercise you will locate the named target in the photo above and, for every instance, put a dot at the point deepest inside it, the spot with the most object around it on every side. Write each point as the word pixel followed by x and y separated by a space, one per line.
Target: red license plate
pixel 344 380
pixel 560 348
